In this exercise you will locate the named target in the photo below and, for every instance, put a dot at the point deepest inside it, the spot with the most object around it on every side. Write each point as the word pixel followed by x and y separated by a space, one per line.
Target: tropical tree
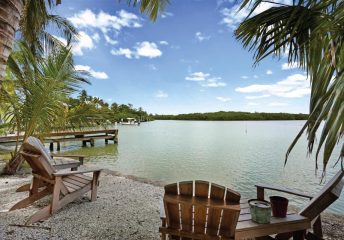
pixel 31 17
pixel 36 92
pixel 311 32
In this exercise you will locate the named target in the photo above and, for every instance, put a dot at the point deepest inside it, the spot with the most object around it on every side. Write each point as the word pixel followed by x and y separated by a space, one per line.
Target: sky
pixel 186 61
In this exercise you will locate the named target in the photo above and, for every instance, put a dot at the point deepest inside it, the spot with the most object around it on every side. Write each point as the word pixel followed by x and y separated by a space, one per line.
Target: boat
pixel 130 121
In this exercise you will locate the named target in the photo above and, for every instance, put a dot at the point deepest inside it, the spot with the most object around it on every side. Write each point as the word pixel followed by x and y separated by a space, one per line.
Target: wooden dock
pixel 86 136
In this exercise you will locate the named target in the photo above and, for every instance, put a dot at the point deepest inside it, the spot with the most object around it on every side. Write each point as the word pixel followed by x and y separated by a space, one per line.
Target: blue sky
pixel 187 61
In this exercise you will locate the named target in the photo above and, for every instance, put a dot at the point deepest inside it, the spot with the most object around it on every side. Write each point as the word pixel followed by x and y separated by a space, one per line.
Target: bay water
pixel 236 154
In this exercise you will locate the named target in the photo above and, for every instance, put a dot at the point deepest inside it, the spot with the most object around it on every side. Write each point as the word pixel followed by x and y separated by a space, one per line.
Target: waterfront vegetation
pixel 232 116
pixel 108 113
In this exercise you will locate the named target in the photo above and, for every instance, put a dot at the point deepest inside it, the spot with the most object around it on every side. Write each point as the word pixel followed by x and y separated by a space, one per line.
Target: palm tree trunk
pixel 10 11
pixel 13 165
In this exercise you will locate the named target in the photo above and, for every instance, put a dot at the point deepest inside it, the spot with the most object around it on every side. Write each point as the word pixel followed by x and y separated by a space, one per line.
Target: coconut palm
pixel 31 16
pixel 36 92
pixel 311 32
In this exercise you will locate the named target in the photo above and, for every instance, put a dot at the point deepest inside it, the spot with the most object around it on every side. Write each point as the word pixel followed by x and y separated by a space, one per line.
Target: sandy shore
pixel 125 209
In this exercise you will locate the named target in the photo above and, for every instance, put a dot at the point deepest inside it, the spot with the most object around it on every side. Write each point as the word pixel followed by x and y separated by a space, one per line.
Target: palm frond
pixel 312 34
pixel 151 7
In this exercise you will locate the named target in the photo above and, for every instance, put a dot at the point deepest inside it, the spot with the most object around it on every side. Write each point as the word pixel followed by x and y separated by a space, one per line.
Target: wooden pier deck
pixel 86 136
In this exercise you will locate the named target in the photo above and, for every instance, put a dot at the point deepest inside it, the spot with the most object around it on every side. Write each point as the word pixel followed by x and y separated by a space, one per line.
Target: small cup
pixel 279 206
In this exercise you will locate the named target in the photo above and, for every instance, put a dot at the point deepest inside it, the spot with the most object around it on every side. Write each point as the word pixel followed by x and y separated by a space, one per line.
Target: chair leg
pixel 31 199
pixel 163 224
pixel 284 236
pixel 42 214
pixel 311 236
pixel 35 185
pixel 317 227
pixel 299 235
pixel 56 195
pixel 94 186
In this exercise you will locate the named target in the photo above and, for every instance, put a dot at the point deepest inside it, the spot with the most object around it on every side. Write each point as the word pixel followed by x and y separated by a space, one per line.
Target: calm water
pixel 235 154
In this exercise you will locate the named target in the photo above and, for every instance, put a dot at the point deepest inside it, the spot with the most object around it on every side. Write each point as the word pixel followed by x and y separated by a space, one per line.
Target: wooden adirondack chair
pixel 328 195
pixel 64 186
pixel 198 214
pixel 58 162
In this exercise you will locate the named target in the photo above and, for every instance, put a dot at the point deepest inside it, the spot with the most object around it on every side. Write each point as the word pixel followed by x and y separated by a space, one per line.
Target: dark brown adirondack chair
pixel 203 211
pixel 64 186
pixel 328 195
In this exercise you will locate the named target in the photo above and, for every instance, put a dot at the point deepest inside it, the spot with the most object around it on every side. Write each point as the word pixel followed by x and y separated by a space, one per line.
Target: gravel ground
pixel 125 209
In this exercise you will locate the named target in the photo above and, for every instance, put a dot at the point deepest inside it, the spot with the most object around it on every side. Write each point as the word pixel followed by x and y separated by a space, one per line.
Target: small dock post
pixel 51 147
pixel 58 146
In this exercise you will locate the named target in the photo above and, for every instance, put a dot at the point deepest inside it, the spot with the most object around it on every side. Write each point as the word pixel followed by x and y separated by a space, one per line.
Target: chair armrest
pixel 79 157
pixel 260 191
pixel 66 173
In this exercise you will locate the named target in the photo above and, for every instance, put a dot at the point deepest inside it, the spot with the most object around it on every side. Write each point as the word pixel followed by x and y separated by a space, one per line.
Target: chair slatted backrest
pixel 329 194
pixel 41 165
pixel 194 217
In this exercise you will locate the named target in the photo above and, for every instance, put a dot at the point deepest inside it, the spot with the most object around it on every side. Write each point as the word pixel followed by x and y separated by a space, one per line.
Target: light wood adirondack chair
pixel 64 186
pixel 58 162
pixel 203 211
pixel 328 195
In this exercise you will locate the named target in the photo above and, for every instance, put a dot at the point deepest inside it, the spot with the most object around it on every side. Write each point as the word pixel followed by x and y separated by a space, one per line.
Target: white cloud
pixel 104 21
pixel 223 99
pixel 294 86
pixel 142 49
pixel 95 74
pixel 252 104
pixel 109 40
pixel 200 37
pixel 163 43
pixel 207 81
pixel 232 17
pixel 278 104
pixel 269 72
pixel 122 52
pixel 96 37
pixel 197 76
pixel 258 97
pixel 148 49
pixel 161 94
pixel 255 76
pixel 167 14
pixel 214 83
pixel 244 77
pixel 287 66
pixel 82 42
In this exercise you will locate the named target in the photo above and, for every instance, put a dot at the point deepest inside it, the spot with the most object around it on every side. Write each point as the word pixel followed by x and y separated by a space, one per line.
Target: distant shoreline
pixel 233 116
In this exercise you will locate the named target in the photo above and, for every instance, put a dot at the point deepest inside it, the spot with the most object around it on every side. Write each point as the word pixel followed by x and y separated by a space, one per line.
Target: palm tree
pixel 36 92
pixel 312 34
pixel 31 17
